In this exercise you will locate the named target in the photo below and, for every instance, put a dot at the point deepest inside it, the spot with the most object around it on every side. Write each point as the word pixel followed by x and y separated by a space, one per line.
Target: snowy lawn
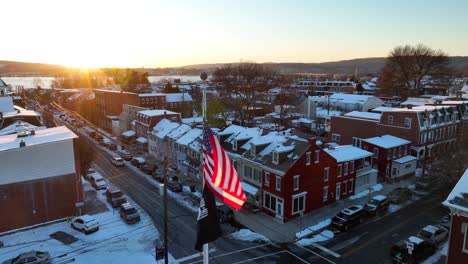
pixel 311 229
pixel 374 188
pixel 323 236
pixel 247 235
pixel 115 242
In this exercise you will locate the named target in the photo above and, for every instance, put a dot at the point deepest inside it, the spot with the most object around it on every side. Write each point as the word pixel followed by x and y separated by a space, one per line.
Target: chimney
pixel 33 132
pixel 22 144
pixel 409 106
pixel 312 141
pixel 265 131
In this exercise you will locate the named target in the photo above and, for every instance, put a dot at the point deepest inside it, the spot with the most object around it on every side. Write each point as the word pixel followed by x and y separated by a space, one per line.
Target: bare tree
pixel 244 83
pixel 407 66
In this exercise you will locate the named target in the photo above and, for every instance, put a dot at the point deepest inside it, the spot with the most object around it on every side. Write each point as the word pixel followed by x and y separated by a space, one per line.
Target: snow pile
pixel 314 228
pixel 247 235
pixel 375 188
pixel 412 187
pixel 323 236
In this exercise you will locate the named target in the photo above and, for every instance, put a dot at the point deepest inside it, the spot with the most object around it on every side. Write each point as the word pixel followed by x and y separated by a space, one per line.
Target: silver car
pixel 33 257
pixel 433 234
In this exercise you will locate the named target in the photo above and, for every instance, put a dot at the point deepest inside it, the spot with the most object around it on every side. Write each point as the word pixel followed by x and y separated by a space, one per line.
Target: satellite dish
pixel 203 76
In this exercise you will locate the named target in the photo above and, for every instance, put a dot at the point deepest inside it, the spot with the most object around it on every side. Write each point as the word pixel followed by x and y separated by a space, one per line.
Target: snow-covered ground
pixel 374 188
pixel 247 235
pixel 115 242
pixel 311 229
pixel 322 236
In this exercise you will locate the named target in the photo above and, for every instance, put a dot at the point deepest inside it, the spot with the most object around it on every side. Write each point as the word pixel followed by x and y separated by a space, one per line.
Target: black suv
pixel 378 204
pixel 421 250
pixel 138 162
pixel 348 217
pixel 115 197
pixel 129 213
pixel 148 168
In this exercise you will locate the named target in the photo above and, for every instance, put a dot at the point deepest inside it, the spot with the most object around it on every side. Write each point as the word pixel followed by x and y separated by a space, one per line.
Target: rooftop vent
pixel 33 132
pixel 22 144
pixel 409 106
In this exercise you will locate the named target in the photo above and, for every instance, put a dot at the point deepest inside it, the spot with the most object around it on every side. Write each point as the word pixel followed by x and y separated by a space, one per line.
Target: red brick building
pixel 293 176
pixel 147 119
pixel 388 149
pixel 457 202
pixel 35 189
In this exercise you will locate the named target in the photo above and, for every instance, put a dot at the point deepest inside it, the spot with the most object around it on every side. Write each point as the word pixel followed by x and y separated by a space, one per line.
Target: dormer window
pixel 234 144
pixel 252 150
pixel 275 157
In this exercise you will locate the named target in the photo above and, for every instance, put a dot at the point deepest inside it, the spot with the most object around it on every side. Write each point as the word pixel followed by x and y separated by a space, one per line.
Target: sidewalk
pixel 273 229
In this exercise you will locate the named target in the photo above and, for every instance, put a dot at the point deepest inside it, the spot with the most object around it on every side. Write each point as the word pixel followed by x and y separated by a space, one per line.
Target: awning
pixel 249 188
pixel 405 159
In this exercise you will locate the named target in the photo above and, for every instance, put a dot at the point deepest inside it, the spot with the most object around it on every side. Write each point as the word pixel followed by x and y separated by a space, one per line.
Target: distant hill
pixel 363 66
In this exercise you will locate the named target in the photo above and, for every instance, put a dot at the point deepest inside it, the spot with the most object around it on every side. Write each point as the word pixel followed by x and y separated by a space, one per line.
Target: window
pixel 351 170
pixel 387 170
pixel 389 154
pixel 405 150
pixel 350 186
pixel 325 173
pixel 394 153
pixel 376 153
pixel 308 158
pixel 394 171
pixel 252 150
pixel 248 172
pixel 267 179
pixel 407 122
pixel 269 201
pixel 257 176
pixel 325 193
pixel 278 183
pixel 465 242
pixel 317 156
pixel 340 168
pixel 275 157
pixel 234 164
pixel 346 168
pixel 400 151
pixel 234 144
pixel 390 120
pixel 336 137
pixel 345 187
pixel 296 182
pixel 298 204
pixel 357 142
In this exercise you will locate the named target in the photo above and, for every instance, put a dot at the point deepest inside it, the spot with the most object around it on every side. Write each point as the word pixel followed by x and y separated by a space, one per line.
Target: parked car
pixel 85 223
pixel 112 146
pixel 117 161
pixel 125 155
pixel 348 217
pixel 97 182
pixel 32 257
pixel 129 213
pixel 433 234
pixel 99 138
pixel 378 204
pixel 92 134
pixel 421 250
pixel 174 186
pixel 158 177
pixel 138 161
pixel 148 168
pixel 115 197
pixel 399 195
pixel 225 214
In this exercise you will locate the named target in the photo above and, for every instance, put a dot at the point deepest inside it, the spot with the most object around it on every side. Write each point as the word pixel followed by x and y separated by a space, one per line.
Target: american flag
pixel 218 172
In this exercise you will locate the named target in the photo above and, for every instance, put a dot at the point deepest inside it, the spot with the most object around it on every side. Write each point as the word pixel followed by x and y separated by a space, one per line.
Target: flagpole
pixel 204 76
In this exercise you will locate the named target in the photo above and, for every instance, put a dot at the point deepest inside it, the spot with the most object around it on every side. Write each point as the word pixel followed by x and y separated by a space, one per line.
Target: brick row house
pixel 435 127
pixel 292 175
pixel 390 156
pixel 457 202
pixel 147 119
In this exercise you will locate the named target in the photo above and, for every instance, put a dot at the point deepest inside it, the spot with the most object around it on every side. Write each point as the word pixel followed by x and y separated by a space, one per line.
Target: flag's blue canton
pixel 206 133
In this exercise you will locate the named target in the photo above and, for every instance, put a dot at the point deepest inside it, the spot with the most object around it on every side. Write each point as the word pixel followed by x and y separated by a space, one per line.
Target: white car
pixel 117 161
pixel 433 234
pixel 97 182
pixel 85 223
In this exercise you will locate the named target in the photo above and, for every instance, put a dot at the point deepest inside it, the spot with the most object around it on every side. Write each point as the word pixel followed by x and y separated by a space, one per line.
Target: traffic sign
pixel 410 247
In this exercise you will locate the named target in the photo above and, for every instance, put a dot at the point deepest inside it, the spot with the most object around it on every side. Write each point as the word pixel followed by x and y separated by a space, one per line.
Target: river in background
pixel 46 82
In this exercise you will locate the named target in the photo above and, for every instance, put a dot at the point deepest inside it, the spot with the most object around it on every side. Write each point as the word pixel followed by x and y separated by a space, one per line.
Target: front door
pixel 338 191
pixel 279 208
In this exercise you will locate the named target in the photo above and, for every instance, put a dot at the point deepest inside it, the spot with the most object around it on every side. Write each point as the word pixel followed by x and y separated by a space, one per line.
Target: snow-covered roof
pixel 192 120
pixel 465 88
pixel 179 131
pixel 232 129
pixel 129 133
pixel 284 149
pixel 157 112
pixel 267 139
pixel 178 97
pixel 405 159
pixel 350 98
pixel 249 188
pixel 305 120
pixel 11 129
pixel 347 153
pixel 458 197
pixel 246 133
pixel 325 113
pixel 54 134
pixel 189 137
pixel 6 104
pixel 142 140
pixel 379 198
pixel 163 128
pixel 387 141
pixel 151 94
pixel 366 115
